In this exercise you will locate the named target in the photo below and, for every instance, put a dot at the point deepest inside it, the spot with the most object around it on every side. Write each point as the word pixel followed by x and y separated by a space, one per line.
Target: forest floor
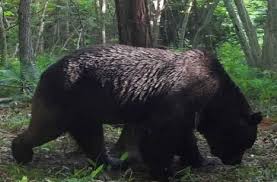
pixel 58 160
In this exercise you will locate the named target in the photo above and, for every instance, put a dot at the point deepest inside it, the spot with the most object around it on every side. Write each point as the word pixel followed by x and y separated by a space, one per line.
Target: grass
pixel 238 173
pixel 16 172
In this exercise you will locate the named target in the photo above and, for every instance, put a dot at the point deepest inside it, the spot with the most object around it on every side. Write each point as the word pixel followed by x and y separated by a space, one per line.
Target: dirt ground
pixel 59 161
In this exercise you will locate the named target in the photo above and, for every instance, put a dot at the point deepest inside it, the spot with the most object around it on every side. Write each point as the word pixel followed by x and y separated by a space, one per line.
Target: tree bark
pixel 134 29
pixel 80 34
pixel 67 19
pixel 207 19
pixel 27 69
pixel 133 23
pixel 103 21
pixel 3 38
pixel 250 32
pixel 242 38
pixel 41 28
pixel 183 30
pixel 269 53
pixel 157 12
pixel 123 24
pixel 96 32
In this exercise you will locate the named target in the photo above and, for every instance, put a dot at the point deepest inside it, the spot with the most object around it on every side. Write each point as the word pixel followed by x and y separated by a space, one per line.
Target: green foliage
pixel 44 61
pixel 16 121
pixel 20 173
pixel 259 86
pixel 10 78
pixel 85 175
pixel 186 174
pixel 124 156
pixel 24 179
pixel 97 171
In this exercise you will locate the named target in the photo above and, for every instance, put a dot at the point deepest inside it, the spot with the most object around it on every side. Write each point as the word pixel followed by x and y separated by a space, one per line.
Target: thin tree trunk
pixel 158 8
pixel 269 54
pixel 79 38
pixel 103 23
pixel 97 10
pixel 240 32
pixel 16 50
pixel 187 11
pixel 3 38
pixel 67 23
pixel 207 19
pixel 41 28
pixel 6 21
pixel 27 68
pixel 250 32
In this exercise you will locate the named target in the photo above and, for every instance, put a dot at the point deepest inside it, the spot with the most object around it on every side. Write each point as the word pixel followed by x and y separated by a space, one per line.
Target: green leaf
pixel 24 179
pixel 8 13
pixel 124 156
pixel 97 171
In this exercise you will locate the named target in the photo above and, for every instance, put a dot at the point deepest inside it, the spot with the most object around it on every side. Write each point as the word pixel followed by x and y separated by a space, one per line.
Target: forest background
pixel 35 34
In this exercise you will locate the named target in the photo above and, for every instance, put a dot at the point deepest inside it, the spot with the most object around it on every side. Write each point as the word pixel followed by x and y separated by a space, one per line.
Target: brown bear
pixel 158 90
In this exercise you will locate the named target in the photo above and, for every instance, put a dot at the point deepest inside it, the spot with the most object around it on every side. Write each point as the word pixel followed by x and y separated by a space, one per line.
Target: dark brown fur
pixel 158 89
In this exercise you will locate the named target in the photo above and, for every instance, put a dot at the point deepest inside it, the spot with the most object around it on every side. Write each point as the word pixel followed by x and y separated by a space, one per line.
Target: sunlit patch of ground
pixel 60 160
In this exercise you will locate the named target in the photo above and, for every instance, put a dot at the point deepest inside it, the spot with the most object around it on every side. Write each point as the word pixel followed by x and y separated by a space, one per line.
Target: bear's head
pixel 229 138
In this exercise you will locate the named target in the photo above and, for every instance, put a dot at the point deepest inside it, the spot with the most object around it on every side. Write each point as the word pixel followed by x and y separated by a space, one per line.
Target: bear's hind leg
pixel 36 135
pixel 45 126
pixel 90 138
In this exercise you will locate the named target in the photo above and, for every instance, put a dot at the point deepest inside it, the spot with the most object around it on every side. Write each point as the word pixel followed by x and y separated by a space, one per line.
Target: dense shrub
pixel 260 86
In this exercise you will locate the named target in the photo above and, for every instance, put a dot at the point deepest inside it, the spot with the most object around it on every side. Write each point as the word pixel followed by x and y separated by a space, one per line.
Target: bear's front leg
pixel 157 153
pixel 189 152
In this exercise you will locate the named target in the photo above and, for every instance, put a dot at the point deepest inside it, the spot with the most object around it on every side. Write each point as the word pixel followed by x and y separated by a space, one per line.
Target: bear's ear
pixel 255 118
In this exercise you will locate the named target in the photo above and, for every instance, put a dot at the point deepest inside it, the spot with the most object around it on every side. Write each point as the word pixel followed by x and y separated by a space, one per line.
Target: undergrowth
pixel 260 86
pixel 10 78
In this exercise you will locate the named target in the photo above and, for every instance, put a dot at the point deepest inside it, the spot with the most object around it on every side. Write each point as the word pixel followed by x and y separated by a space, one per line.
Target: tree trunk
pixel 269 54
pixel 3 38
pixel 133 23
pixel 97 30
pixel 207 19
pixel 123 23
pixel 250 32
pixel 27 69
pixel 158 8
pixel 103 22
pixel 16 50
pixel 134 29
pixel 242 38
pixel 41 28
pixel 141 24
pixel 67 19
pixel 187 11
pixel 80 34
